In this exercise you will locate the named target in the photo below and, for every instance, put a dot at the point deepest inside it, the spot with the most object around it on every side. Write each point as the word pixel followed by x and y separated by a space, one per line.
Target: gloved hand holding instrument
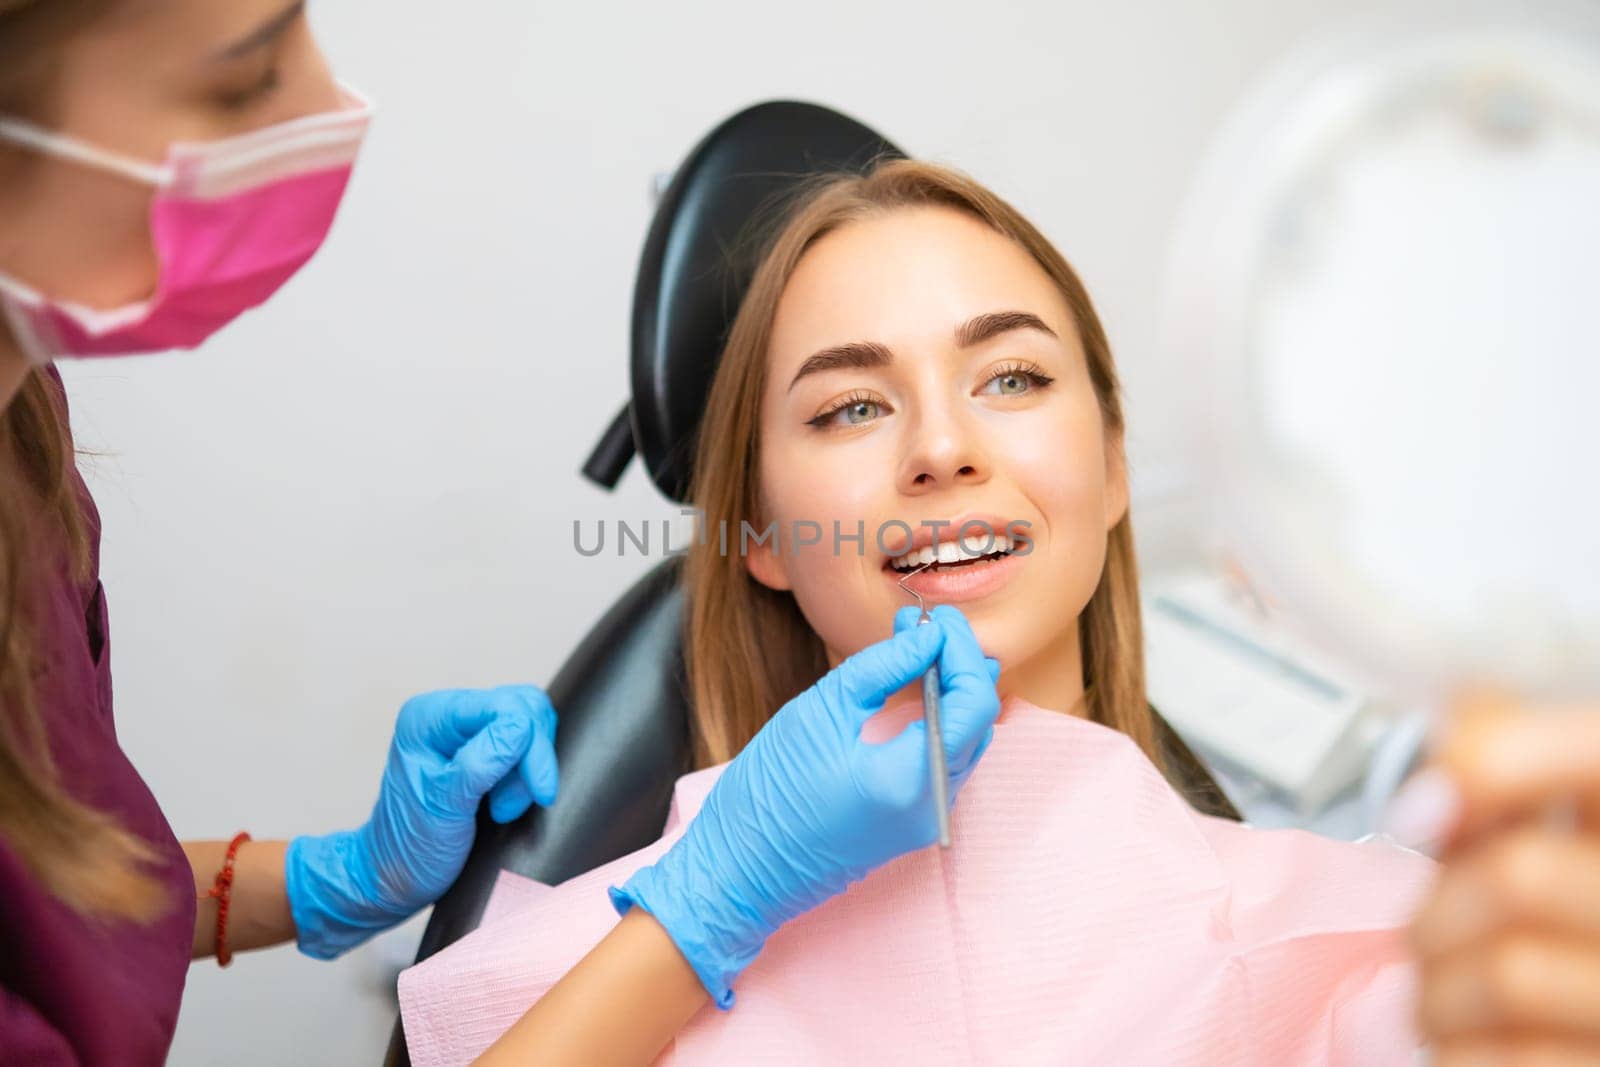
pixel 809 807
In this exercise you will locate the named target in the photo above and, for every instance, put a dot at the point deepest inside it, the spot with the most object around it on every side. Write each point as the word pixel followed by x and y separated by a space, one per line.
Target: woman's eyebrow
pixel 264 34
pixel 857 355
pixel 982 327
pixel 860 355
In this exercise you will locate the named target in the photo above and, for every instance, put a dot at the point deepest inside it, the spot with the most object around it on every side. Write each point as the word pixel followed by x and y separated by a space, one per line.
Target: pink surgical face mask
pixel 232 220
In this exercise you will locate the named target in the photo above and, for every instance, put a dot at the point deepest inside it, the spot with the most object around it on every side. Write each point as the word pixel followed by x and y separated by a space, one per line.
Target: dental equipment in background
pixel 930 718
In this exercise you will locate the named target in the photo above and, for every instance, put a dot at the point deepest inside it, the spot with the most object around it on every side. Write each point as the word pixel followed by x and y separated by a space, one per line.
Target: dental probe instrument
pixel 930 718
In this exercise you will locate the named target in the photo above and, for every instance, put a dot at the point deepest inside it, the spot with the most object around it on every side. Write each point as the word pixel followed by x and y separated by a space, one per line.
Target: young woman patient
pixel 912 351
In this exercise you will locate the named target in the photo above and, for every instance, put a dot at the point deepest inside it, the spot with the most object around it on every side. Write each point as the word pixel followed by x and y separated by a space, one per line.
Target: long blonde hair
pixel 82 856
pixel 749 649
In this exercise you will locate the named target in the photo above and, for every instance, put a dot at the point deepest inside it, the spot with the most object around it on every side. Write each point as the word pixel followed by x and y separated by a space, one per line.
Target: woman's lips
pixel 954 584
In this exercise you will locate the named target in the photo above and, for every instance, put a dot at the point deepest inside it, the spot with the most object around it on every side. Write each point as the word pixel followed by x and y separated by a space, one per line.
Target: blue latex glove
pixel 450 748
pixel 808 807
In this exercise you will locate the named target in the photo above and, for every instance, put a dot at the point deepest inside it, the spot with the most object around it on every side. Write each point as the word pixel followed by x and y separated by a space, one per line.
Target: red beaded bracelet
pixel 222 890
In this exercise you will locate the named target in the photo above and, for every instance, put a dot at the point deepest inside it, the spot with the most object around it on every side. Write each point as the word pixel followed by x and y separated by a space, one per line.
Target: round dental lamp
pixel 1385 306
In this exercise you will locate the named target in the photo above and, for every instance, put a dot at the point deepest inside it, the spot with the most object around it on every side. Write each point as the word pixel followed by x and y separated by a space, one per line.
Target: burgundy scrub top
pixel 74 991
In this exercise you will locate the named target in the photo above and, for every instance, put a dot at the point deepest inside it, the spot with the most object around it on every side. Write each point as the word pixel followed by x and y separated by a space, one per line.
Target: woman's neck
pixel 1052 678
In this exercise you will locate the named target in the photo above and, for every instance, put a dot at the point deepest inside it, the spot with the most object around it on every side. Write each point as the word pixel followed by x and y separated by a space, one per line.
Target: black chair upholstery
pixel 623 736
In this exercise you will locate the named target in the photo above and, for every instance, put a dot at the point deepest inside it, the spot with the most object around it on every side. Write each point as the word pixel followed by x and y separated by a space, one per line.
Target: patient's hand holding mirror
pixel 1384 291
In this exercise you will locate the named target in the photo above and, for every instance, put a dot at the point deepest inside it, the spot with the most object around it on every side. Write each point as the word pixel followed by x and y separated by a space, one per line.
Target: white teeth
pixel 981 545
pixel 950 552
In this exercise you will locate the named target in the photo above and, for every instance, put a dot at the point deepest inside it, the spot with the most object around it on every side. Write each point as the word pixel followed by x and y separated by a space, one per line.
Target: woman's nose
pixel 943 450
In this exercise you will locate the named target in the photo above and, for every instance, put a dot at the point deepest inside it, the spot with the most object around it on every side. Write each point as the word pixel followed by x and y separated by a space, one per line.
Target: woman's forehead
pixel 908 277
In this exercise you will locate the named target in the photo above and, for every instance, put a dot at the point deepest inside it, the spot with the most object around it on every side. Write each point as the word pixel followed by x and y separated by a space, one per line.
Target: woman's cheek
pixel 810 493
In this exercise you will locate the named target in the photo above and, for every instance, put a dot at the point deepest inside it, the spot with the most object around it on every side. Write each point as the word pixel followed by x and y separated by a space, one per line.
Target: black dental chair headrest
pixel 696 266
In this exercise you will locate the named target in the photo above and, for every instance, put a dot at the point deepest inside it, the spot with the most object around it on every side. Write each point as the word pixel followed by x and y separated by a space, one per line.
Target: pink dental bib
pixel 1084 915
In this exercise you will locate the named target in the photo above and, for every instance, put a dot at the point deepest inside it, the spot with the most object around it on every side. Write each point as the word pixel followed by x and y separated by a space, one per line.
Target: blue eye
pixel 1016 380
pixel 857 410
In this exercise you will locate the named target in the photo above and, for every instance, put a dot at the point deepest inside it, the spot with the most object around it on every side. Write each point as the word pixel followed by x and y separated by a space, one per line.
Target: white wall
pixel 367 490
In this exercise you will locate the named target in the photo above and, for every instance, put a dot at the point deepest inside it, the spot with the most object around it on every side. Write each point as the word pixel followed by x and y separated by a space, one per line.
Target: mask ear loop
pixel 54 144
